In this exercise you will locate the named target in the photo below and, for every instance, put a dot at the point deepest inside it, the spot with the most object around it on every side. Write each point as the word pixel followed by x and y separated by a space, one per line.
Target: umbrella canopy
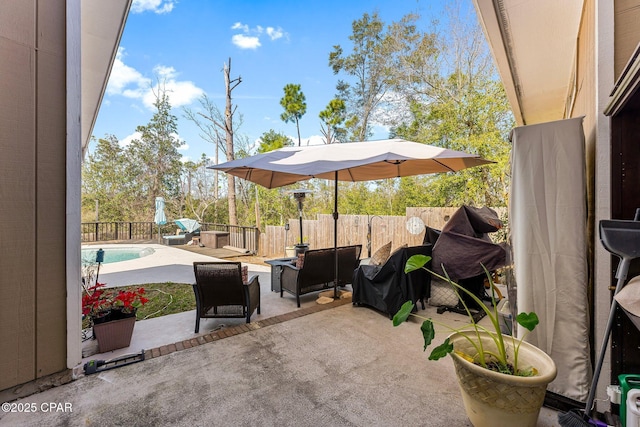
pixel 188 225
pixel 160 217
pixel 354 161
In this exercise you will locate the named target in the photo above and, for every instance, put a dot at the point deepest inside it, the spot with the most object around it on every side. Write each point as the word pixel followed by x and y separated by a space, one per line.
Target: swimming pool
pixel 112 255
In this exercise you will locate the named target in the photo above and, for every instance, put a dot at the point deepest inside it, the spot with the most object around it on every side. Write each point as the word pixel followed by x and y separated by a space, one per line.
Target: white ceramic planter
pixel 499 400
pixel 290 251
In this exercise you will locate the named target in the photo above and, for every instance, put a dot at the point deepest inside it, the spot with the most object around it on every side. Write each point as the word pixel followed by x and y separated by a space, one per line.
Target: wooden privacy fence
pixel 353 230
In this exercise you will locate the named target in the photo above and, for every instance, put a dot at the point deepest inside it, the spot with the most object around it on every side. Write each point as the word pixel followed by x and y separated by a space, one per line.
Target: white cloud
pixel 123 75
pixel 274 33
pixel 130 83
pixel 250 39
pixel 127 139
pixel 240 26
pixel 183 144
pixel 180 93
pixel 245 42
pixel 156 6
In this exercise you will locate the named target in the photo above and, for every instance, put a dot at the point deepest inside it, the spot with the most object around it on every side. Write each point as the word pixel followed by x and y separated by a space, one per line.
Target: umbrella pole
pixel 335 238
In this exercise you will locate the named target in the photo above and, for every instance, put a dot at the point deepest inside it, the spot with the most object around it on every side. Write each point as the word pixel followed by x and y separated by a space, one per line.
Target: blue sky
pixel 270 43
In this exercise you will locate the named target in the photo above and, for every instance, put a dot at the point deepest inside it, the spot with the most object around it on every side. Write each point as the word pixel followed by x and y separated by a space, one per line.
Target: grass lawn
pixel 165 298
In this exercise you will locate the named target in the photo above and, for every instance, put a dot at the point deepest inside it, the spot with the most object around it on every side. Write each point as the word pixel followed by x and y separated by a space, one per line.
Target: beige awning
pixel 102 26
pixel 534 44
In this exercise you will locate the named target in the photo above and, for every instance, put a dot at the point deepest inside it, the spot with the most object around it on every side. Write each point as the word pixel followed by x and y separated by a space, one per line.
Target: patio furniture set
pixel 379 282
pixel 221 291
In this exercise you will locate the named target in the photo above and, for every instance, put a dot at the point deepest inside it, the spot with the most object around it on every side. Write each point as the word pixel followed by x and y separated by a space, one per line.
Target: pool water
pixel 112 255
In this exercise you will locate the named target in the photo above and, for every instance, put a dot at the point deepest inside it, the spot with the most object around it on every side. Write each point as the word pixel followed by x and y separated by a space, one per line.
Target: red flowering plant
pixel 129 301
pixel 96 301
pixel 101 305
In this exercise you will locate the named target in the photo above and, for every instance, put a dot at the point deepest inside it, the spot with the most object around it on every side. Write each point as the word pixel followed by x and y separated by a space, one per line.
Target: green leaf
pixel 442 350
pixel 428 332
pixel 416 262
pixel 528 321
pixel 403 313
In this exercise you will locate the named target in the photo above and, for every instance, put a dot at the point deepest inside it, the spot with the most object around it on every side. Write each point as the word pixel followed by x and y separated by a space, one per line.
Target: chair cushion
pixel 381 255
pixel 245 274
pixel 300 261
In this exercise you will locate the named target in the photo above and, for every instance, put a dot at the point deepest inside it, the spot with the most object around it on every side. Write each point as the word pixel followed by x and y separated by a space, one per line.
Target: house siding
pixel 32 190
pixel 627 32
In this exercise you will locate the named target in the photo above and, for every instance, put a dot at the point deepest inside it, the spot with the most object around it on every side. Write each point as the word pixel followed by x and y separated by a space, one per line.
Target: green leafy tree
pixel 370 68
pixel 158 167
pixel 107 189
pixel 272 140
pixel 364 65
pixel 333 116
pixel 459 103
pixel 294 106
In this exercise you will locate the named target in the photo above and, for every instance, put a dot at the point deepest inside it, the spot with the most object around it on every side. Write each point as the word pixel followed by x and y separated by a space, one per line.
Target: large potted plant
pixel 502 379
pixel 112 314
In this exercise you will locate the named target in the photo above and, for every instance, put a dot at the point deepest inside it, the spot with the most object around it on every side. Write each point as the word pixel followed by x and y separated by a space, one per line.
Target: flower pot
pixel 495 399
pixel 301 248
pixel 114 334
pixel 102 317
pixel 119 313
pixel 290 251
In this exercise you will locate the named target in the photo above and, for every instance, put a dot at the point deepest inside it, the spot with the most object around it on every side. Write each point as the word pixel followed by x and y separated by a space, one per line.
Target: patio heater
pixel 286 235
pixel 299 195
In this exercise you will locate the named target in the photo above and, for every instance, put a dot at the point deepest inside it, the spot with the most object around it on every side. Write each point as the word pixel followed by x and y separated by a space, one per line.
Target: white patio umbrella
pixel 159 218
pixel 354 161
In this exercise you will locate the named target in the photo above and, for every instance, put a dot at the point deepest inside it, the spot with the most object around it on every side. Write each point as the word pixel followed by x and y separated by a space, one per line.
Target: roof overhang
pixel 627 87
pixel 102 26
pixel 534 44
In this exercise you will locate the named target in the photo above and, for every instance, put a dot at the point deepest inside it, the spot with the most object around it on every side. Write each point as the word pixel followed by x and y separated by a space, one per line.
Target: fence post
pixel 244 237
pixel 130 229
pixel 257 240
pixel 95 235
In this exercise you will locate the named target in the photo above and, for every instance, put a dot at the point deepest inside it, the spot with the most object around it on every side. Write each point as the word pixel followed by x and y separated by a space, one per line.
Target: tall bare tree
pixel 224 123
pixel 210 132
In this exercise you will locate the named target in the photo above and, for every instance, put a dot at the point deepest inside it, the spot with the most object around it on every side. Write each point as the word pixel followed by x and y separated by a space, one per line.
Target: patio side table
pixel 276 271
pixel 214 239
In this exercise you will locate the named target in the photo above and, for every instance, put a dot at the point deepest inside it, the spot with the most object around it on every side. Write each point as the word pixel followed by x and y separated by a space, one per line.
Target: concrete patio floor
pixel 331 365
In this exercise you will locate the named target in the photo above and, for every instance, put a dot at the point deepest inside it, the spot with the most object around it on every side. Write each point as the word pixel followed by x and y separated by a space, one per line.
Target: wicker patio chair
pixel 220 292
